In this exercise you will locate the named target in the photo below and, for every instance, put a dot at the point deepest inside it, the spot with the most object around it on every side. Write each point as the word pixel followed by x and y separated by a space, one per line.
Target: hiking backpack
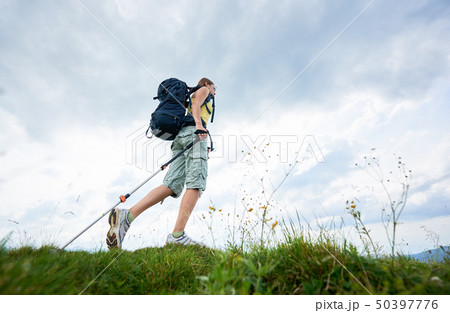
pixel 170 116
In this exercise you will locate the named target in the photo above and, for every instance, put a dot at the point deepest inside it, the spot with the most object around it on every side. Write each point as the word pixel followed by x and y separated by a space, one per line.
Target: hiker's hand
pixel 204 135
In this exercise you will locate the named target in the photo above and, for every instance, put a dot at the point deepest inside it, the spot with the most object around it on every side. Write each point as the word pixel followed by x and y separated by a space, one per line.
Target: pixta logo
pixel 150 154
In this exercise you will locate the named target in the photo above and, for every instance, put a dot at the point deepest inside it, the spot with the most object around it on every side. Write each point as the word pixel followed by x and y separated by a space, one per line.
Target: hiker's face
pixel 212 89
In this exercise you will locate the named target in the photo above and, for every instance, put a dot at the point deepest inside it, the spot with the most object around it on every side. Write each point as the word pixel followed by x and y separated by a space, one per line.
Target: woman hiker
pixel 191 168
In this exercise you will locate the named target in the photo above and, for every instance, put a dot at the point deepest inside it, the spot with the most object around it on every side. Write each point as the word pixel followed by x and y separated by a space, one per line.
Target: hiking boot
pixel 119 227
pixel 184 240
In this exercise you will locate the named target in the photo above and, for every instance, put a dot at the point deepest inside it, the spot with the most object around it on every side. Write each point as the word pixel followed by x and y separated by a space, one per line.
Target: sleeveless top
pixel 205 115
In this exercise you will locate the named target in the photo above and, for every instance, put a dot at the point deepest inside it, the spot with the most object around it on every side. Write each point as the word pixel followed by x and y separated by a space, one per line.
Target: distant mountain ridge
pixel 432 255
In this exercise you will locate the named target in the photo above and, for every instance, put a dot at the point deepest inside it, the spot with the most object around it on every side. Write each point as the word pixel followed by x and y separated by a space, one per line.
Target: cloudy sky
pixel 306 89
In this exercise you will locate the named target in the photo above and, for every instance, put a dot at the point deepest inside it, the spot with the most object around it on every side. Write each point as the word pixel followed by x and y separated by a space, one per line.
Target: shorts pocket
pixel 197 173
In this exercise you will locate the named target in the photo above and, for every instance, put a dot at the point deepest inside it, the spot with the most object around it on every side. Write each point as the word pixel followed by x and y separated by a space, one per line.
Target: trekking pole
pixel 124 198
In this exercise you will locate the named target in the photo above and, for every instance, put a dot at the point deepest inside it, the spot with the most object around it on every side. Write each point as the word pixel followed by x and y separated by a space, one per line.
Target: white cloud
pixel 12 130
pixel 129 10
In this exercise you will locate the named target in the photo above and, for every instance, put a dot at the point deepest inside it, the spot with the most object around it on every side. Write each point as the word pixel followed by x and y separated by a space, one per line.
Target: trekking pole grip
pixel 200 131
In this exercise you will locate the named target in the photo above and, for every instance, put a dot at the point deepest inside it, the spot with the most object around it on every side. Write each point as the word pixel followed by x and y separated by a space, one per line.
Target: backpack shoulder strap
pixel 190 91
pixel 210 97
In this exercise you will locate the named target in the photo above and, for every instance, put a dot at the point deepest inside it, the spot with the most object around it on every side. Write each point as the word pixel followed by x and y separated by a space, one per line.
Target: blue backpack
pixel 170 115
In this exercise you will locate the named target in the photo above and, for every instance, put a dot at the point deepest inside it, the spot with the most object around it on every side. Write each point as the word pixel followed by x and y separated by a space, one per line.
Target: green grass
pixel 297 266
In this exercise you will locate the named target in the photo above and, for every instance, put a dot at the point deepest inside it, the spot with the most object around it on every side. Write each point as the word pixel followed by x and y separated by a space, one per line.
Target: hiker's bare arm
pixel 200 97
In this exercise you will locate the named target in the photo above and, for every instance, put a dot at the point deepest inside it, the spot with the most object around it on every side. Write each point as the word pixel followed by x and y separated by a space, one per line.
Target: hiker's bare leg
pixel 153 197
pixel 186 207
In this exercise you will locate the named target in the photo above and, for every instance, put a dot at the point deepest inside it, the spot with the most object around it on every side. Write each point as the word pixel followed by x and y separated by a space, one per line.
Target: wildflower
pixel 212 208
pixel 274 225
pixel 251 209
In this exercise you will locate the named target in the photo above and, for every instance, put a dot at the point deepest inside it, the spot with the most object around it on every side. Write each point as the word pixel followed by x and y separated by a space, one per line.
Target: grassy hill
pixel 297 266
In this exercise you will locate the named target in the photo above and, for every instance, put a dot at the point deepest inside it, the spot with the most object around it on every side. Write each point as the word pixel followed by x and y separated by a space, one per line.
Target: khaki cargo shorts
pixel 190 168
